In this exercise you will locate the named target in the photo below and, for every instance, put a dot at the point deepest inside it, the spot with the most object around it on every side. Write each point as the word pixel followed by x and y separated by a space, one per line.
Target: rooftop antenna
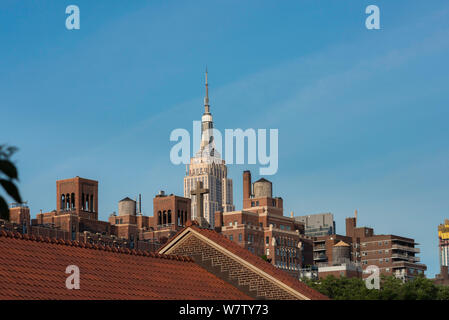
pixel 206 98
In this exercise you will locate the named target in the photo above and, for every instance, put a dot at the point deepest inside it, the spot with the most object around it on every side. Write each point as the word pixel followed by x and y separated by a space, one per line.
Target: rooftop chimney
pixel 140 203
pixel 246 184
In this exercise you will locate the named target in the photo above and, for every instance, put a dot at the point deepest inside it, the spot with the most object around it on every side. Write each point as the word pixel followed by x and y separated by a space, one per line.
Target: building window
pixel 240 237
pixel 231 238
pixel 267 240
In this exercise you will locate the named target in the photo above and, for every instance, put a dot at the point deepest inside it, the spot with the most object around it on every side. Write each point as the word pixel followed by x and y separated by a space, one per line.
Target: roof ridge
pixel 86 245
pixel 188 224
pixel 279 274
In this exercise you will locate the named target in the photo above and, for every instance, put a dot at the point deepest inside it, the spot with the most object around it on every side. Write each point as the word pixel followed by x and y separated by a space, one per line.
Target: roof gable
pixel 266 281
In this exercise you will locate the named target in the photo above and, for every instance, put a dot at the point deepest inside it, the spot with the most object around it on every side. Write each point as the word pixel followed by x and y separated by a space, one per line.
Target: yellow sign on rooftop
pixel 443 230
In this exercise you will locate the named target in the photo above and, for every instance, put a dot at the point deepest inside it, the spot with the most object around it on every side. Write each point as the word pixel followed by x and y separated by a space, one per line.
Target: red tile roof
pixel 34 268
pixel 256 261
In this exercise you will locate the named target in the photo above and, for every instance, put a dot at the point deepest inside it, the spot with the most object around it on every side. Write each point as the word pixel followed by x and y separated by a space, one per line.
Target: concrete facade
pixel 318 225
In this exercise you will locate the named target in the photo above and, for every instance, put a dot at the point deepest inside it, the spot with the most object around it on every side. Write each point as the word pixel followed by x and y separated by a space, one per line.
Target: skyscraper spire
pixel 207 124
pixel 206 98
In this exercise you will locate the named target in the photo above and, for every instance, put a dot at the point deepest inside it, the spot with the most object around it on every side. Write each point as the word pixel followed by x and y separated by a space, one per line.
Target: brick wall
pixel 260 286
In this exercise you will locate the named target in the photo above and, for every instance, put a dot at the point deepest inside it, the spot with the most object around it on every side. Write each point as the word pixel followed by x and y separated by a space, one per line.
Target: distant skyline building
pixel 208 167
pixel 318 225
pixel 361 248
pixel 443 237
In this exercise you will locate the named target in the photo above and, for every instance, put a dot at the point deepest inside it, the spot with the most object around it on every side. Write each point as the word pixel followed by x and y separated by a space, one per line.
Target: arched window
pixel 164 217
pixel 72 199
pixel 86 205
pixel 82 201
pixel 62 202
pixel 185 217
pixel 159 218
pixel 169 217
pixel 91 203
pixel 67 201
pixel 178 218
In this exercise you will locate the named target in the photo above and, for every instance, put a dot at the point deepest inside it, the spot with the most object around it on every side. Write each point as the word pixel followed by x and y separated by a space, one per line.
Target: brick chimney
pixel 351 224
pixel 246 184
pixel 218 221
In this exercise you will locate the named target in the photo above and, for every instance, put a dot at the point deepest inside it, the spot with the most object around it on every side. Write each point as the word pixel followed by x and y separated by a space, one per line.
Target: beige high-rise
pixel 208 167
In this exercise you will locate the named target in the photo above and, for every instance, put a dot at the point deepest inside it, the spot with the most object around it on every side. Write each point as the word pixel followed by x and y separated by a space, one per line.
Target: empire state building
pixel 208 167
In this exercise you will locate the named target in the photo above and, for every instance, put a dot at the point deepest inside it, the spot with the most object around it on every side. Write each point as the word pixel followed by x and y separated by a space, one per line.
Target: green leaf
pixel 11 189
pixel 8 168
pixel 4 210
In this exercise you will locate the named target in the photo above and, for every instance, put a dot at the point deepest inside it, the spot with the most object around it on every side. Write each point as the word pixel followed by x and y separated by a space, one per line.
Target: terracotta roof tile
pixel 34 268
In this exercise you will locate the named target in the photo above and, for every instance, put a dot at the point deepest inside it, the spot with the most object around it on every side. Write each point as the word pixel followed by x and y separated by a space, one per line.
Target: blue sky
pixel 362 115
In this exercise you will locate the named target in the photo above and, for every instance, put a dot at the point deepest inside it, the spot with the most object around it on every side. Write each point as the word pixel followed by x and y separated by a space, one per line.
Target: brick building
pixel 76 218
pixel 394 255
pixel 262 228
pixel 443 277
pixel 323 249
